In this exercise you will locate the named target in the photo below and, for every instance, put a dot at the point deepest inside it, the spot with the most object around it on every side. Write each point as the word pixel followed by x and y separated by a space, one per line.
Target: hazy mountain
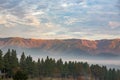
pixel 67 46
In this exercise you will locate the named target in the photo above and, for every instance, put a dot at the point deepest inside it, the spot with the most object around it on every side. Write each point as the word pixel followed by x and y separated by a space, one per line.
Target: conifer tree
pixel 1 60
pixel 7 63
pixel 14 61
pixel 23 62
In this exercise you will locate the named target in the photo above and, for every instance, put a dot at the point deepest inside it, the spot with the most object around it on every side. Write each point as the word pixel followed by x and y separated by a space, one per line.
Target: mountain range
pixel 64 46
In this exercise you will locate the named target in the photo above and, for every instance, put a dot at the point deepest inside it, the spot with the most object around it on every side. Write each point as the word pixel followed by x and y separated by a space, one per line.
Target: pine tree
pixel 47 66
pixel 29 66
pixel 35 69
pixel 1 61
pixel 42 67
pixel 114 74
pixel 60 66
pixel 14 61
pixel 7 63
pixel 20 75
pixel 23 62
pixel 53 68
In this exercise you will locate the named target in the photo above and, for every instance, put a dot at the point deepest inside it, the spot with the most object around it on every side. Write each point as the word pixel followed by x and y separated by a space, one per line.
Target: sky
pixel 60 19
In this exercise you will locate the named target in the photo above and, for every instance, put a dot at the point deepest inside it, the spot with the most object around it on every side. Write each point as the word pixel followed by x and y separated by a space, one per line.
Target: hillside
pixel 68 45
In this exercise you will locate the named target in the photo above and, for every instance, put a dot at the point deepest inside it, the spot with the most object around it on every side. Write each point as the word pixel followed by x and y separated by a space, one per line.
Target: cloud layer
pixel 89 19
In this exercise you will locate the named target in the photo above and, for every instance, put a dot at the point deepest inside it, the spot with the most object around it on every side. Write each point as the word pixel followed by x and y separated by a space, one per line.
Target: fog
pixel 109 61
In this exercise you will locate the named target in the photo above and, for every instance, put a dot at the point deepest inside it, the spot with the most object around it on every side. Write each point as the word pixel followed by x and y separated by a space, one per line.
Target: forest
pixel 11 65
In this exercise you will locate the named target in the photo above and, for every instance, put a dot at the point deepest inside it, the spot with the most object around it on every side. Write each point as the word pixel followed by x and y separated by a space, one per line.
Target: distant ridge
pixel 107 46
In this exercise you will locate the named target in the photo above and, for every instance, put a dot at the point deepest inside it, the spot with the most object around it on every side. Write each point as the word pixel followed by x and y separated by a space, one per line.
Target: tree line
pixel 49 67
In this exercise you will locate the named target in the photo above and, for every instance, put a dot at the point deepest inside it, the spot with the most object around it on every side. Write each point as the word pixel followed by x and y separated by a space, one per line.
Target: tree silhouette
pixel 20 75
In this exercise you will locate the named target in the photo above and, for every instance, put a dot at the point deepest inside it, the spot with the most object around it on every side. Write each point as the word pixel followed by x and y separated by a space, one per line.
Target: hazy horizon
pixel 60 38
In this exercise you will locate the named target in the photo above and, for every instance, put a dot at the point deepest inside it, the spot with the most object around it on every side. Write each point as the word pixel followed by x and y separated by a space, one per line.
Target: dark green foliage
pixel 8 63
pixel 14 61
pixel 20 75
pixel 1 60
pixel 23 64
pixel 49 67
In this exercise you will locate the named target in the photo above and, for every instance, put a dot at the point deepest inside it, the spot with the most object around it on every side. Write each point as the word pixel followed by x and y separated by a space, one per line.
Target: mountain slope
pixel 78 46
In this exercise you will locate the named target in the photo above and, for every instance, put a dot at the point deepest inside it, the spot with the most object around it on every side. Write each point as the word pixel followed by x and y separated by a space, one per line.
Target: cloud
pixel 50 25
pixel 49 33
pixel 12 21
pixel 114 24
pixel 3 1
pixel 8 20
pixel 29 12
pixel 3 20
pixel 38 13
pixel 71 21
pixel 73 3
pixel 32 21
pixel 57 19
pixel 19 12
pixel 65 5
pixel 93 35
